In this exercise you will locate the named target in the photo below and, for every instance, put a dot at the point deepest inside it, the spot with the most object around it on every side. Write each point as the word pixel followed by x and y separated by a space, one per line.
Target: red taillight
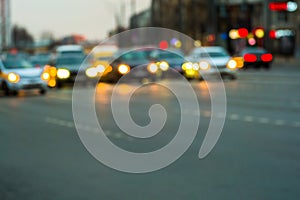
pixel 272 34
pixel 250 57
pixel 267 57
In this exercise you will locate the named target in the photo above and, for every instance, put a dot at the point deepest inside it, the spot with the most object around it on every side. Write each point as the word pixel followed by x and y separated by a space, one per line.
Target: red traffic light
pixel 272 34
pixel 278 6
pixel 243 32
pixel 164 44
pixel 289 6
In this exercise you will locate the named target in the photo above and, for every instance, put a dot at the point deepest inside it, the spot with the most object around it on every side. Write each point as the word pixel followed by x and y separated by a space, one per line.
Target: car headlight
pixel 196 66
pixel 152 68
pixel 13 78
pixel 63 73
pixel 100 68
pixel 187 66
pixel 52 83
pixel 232 64
pixel 91 72
pixel 164 66
pixel 45 76
pixel 52 71
pixel 123 69
pixel 204 65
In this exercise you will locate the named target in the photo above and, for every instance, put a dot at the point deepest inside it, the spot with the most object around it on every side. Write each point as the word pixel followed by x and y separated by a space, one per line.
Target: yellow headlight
pixel 13 78
pixel 52 83
pixel 123 69
pixel 45 76
pixel 63 73
pixel 52 71
pixel 187 66
pixel 232 64
pixel 204 65
pixel 91 72
pixel 164 66
pixel 152 68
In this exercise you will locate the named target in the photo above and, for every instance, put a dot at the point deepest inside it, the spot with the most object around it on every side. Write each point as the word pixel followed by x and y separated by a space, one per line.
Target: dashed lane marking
pixel 279 122
pixel 234 117
pixel 263 120
pixel 87 129
pixel 248 119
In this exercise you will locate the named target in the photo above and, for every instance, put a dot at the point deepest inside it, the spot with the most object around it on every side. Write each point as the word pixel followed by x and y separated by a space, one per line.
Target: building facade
pixel 211 21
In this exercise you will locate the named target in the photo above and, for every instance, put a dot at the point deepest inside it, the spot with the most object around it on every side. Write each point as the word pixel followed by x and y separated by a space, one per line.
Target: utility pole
pixel 5 26
pixel 267 22
pixel 133 7
pixel 2 23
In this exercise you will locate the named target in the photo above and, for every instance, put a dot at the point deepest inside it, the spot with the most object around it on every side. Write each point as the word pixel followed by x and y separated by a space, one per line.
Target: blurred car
pixel 68 69
pixel 173 58
pixel 18 74
pixel 69 50
pixel 203 61
pixel 100 63
pixel 41 59
pixel 125 60
pixel 256 57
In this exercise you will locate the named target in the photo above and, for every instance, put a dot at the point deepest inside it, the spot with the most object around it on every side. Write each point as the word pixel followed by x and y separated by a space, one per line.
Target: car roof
pixel 69 48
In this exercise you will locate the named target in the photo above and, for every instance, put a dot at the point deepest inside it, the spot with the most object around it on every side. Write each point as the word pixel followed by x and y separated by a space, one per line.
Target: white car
pixel 70 50
pixel 18 74
pixel 210 61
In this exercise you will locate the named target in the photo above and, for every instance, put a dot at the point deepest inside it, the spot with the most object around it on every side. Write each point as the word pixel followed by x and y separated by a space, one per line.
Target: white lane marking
pixel 206 113
pixel 248 119
pixel 234 117
pixel 296 124
pixel 279 122
pixel 118 135
pixel 69 124
pixel 62 98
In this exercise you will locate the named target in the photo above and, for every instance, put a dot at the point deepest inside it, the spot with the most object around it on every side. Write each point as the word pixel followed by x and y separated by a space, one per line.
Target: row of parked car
pixel 109 64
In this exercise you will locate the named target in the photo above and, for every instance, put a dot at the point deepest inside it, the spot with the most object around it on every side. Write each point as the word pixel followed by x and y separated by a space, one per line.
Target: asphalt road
pixel 256 157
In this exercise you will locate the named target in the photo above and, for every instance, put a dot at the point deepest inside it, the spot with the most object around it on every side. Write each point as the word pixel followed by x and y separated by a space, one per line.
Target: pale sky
pixel 92 18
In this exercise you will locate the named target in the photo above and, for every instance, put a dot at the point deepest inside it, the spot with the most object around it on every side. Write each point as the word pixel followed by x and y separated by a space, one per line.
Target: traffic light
pixel 238 33
pixel 259 33
pixel 289 6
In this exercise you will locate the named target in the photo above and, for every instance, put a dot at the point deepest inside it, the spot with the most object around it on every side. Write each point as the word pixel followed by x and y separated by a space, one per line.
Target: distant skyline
pixel 91 18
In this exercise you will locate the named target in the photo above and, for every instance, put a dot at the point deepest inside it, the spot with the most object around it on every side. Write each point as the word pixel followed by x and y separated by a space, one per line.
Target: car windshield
pixel 40 60
pixel 17 64
pixel 254 50
pixel 215 54
pixel 169 55
pixel 69 60
pixel 135 55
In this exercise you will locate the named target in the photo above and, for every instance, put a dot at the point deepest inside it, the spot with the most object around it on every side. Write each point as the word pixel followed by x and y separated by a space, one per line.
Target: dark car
pixel 173 57
pixel 127 59
pixel 256 57
pixel 68 67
